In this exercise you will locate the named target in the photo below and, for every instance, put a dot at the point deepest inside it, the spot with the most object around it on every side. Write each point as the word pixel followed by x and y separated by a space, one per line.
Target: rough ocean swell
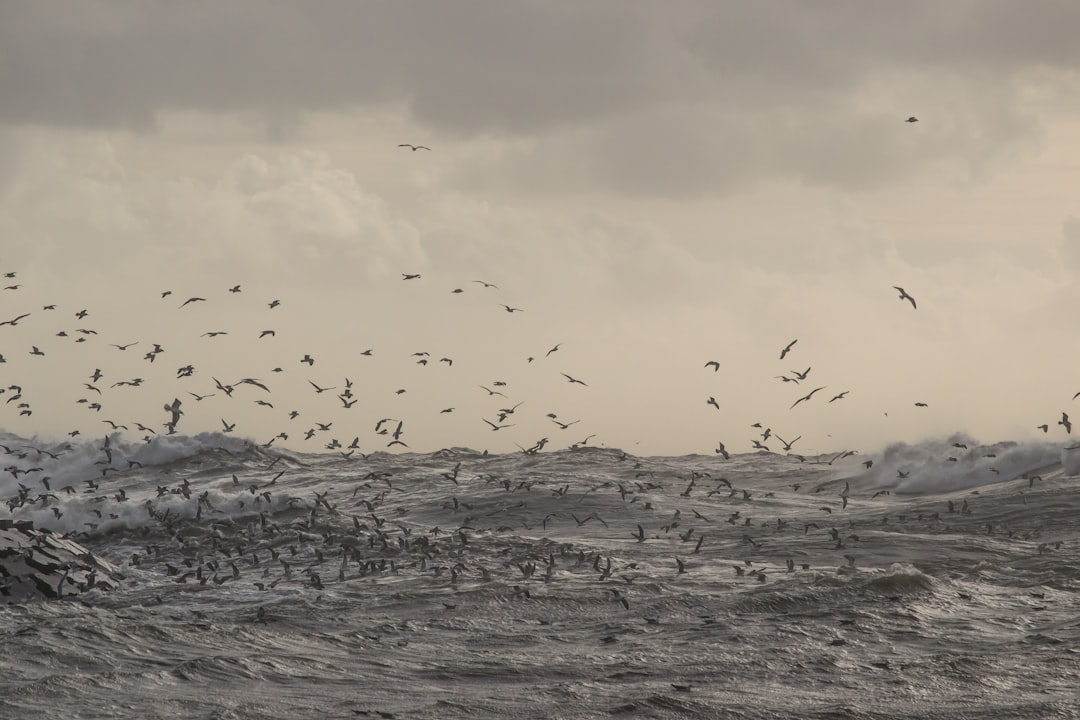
pixel 932 580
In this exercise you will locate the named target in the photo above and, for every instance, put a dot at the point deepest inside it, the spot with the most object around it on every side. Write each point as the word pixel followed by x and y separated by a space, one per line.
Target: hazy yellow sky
pixel 654 187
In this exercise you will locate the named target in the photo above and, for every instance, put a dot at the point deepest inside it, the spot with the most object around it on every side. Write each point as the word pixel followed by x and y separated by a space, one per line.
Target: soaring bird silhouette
pixel 414 148
pixel 806 397
pixel 905 296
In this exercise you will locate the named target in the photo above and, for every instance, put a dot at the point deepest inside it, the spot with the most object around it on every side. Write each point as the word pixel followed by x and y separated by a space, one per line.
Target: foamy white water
pixel 584 583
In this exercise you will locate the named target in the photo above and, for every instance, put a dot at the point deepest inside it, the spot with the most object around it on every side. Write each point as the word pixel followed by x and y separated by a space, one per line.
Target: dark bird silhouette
pixel 1064 422
pixel 191 300
pixel 786 350
pixel 905 296
pixel 912 119
pixel 806 397
pixel 15 321
pixel 407 276
pixel 573 380
pixel 714 364
pixel 414 148
pixel 840 396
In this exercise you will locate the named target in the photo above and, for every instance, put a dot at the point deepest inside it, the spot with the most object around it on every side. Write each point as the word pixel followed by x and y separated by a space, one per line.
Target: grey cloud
pixel 698 97
pixel 469 66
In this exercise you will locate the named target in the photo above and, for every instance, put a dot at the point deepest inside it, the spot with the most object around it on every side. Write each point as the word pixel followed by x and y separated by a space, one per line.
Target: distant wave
pixel 959 461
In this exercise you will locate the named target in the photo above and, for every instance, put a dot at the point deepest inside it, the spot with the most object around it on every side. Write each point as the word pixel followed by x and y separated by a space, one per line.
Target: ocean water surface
pixel 931 580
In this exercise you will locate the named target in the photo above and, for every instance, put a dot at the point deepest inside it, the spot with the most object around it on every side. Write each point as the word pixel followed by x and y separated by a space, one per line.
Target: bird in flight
pixel 15 321
pixel 1064 421
pixel 806 397
pixel 573 380
pixel 840 396
pixel 407 276
pixel 786 350
pixel 415 147
pixel 905 296
pixel 714 365
pixel 912 119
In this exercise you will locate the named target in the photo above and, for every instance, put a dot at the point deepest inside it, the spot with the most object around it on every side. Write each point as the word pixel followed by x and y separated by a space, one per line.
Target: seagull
pixel 712 401
pixel 714 364
pixel 806 397
pixel 176 412
pixel 912 119
pixel 1064 421
pixel 193 299
pixel 15 322
pixel 407 276
pixel 487 284
pixel 905 296
pixel 320 389
pixel 512 309
pixel 787 445
pixel 786 350
pixel 414 147
pixel 840 396
pixel 573 380
pixel 553 349
pixel 721 450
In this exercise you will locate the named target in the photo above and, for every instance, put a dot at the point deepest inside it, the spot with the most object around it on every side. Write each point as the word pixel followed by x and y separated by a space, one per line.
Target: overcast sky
pixel 655 186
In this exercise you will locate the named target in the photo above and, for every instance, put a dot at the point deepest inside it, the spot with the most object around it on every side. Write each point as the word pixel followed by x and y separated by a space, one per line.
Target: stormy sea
pixel 932 580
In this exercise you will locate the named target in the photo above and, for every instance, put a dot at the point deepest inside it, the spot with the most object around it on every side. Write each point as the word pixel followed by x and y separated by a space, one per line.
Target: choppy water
pixel 571 584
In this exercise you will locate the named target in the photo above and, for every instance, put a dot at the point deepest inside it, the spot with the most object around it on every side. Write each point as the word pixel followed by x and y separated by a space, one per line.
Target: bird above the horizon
pixel 840 396
pixel 573 380
pixel 16 320
pixel 414 148
pixel 408 276
pixel 905 296
pixel 1064 422
pixel 714 365
pixel 806 397
pixel 786 350
pixel 912 119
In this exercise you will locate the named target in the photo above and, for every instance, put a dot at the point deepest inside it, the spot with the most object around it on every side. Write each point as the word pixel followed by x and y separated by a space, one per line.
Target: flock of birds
pixel 393 427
